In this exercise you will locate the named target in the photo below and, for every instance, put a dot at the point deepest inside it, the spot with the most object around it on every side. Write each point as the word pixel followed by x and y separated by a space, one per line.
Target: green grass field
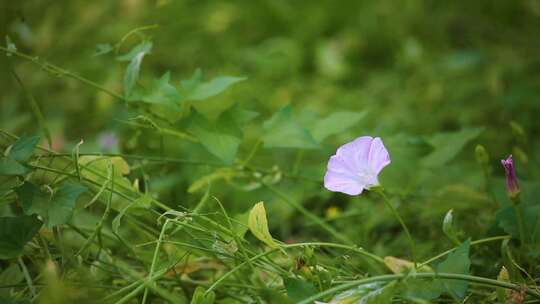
pixel 176 151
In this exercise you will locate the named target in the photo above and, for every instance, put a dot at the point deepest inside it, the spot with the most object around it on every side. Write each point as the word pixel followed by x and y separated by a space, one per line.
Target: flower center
pixel 365 177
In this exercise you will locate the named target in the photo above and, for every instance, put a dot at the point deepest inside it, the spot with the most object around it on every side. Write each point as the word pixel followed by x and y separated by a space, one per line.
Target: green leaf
pixel 373 293
pixel 421 289
pixel 397 265
pixel 13 301
pixel 11 47
pixel 15 232
pixel 240 224
pixel 201 297
pixel 198 90
pixel 162 98
pixel 10 167
pixel 32 199
pixel 63 203
pixel 136 56
pixel 506 219
pixel 457 262
pixel 132 74
pixel 282 131
pixel 531 214
pixel 221 138
pixel 7 184
pixel 20 152
pixel 190 84
pixel 23 148
pixel 380 296
pixel 96 169
pixel 269 295
pixel 143 47
pixel 448 145
pixel 160 92
pixel 335 123
pixel 258 225
pixel 11 275
pixel 241 116
pixel 102 49
pixel 141 203
pixel 298 290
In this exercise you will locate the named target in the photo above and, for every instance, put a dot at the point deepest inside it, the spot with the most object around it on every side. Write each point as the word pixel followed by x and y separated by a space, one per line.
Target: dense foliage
pixel 174 151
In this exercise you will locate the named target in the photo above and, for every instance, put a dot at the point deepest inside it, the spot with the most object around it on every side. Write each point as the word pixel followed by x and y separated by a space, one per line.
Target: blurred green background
pixel 434 78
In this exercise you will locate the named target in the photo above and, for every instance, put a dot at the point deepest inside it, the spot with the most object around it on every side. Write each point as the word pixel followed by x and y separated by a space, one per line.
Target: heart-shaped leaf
pixel 15 232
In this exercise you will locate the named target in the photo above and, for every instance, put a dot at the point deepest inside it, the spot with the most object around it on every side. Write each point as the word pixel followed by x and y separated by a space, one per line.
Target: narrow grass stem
pixel 252 152
pixel 99 226
pixel 27 277
pixel 235 236
pixel 122 290
pixel 159 159
pixel 34 106
pixel 130 295
pixel 56 70
pixel 148 158
pixel 289 246
pixel 155 258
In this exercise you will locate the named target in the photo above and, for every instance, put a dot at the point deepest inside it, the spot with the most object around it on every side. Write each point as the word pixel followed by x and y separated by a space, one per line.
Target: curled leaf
pixel 397 265
pixel 135 56
pixel 503 276
pixel 448 227
pixel 258 225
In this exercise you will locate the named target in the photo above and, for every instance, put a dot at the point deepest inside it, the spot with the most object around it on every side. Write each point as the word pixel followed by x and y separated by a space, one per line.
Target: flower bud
pixel 502 294
pixel 512 186
pixel 482 157
pixel 503 275
pixel 518 131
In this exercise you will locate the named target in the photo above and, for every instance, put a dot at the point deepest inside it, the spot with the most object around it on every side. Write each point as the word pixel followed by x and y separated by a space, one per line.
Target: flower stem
pixel 519 219
pixel 313 217
pixel 401 222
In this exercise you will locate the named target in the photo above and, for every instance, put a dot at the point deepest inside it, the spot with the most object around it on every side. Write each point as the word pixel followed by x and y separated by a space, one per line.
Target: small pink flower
pixel 356 166
pixel 108 141
pixel 512 185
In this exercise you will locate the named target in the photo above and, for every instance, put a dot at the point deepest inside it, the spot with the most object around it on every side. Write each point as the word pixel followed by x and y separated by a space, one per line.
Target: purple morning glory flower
pixel 356 165
pixel 512 185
